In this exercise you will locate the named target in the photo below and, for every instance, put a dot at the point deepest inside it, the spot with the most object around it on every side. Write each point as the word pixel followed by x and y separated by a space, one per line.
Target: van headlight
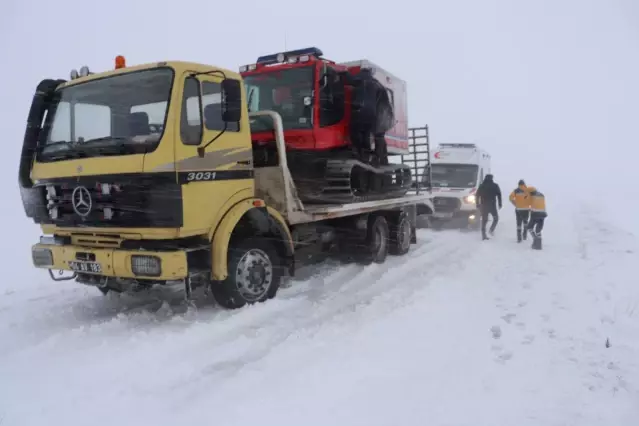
pixel 150 266
pixel 470 199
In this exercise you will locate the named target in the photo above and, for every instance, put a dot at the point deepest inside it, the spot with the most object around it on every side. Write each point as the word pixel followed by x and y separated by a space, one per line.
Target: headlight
pixel 149 266
pixel 42 257
pixel 470 199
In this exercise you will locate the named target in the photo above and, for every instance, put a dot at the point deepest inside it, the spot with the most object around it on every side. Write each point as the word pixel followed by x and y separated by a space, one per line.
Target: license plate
pixel 442 215
pixel 91 267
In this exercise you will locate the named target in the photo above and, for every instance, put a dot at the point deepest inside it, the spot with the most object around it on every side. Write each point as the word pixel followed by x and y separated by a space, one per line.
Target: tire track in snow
pixel 305 312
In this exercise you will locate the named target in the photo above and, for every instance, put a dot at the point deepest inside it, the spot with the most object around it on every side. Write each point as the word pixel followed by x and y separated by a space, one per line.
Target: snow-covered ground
pixel 459 332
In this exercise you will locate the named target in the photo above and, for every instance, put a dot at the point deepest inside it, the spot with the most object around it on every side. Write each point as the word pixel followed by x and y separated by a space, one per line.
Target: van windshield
pixel 454 175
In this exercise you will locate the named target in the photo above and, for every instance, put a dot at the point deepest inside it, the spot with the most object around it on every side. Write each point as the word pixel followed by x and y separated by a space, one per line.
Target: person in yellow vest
pixel 538 215
pixel 521 200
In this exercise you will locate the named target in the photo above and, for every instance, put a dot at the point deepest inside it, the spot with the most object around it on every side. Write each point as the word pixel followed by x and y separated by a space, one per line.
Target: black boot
pixel 519 235
pixel 536 245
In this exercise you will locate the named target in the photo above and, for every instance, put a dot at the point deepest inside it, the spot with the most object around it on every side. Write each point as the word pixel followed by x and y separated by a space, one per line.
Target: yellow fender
pixel 222 236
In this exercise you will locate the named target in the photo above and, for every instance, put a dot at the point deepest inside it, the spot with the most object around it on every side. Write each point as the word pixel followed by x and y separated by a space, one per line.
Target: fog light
pixel 42 257
pixel 149 266
pixel 471 217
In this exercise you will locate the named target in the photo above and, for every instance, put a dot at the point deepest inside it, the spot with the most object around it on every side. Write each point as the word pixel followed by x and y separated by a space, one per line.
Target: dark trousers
pixel 522 223
pixel 361 138
pixel 381 150
pixel 485 211
pixel 536 225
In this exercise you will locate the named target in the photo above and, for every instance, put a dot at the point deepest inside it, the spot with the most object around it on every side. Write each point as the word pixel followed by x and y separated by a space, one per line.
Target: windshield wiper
pixel 112 145
pixel 71 150
pixel 68 144
pixel 121 140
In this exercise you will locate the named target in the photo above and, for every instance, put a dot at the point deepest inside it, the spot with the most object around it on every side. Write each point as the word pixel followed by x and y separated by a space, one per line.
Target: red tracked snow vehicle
pixel 313 99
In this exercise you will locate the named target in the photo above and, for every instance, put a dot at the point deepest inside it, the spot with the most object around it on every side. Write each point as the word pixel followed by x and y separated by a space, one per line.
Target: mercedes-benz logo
pixel 81 201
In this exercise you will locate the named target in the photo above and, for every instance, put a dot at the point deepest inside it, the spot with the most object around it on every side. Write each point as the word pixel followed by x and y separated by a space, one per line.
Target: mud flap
pixel 412 217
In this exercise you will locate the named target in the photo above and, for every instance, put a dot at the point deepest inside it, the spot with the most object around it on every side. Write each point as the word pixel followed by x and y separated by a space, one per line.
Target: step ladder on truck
pixel 185 204
pixel 419 161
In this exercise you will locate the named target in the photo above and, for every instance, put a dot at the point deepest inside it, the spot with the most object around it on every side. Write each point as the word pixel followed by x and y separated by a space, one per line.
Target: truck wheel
pixel 400 235
pixel 254 274
pixel 376 242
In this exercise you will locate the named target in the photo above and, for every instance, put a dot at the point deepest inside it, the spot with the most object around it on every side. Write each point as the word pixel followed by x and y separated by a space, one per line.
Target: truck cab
pixel 126 143
pixel 457 170
pixel 135 173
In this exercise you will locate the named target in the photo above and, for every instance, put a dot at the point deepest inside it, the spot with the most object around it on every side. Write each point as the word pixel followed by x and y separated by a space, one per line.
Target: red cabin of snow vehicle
pixel 305 90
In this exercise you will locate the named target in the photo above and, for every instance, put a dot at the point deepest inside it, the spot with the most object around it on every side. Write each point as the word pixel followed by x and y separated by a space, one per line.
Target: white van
pixel 457 169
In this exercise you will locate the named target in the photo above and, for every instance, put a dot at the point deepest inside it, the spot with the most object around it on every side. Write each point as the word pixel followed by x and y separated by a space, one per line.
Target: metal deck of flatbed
pixel 317 212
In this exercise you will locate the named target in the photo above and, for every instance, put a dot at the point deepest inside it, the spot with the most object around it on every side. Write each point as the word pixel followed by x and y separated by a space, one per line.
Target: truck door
pixel 225 170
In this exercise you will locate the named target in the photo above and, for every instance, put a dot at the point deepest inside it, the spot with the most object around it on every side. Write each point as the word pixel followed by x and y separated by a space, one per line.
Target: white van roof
pixel 459 153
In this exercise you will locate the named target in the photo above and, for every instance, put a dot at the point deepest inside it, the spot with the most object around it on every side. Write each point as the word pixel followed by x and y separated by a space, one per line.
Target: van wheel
pixel 255 274
pixel 400 235
pixel 376 244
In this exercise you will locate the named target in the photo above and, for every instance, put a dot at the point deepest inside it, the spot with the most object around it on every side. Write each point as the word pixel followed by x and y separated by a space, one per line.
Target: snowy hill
pixel 459 332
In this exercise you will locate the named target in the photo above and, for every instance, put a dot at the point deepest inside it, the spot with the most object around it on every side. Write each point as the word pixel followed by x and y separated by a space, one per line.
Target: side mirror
pixel 232 102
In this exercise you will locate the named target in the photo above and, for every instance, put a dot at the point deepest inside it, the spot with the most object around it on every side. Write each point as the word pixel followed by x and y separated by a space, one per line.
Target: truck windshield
pixel 123 114
pixel 454 175
pixel 282 91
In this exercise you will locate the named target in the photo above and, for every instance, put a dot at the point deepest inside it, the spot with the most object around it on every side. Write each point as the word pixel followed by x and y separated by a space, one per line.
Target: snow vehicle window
pixel 331 99
pixel 454 175
pixel 282 91
pixel 122 114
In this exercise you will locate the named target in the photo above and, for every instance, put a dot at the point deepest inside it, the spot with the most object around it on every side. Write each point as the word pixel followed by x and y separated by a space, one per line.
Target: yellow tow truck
pixel 145 175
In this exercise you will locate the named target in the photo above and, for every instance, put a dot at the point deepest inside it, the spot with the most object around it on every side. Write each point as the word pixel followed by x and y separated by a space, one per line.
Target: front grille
pixel 446 204
pixel 126 203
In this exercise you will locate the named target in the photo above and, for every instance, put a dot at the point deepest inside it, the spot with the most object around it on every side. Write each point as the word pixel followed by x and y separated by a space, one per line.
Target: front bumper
pixel 470 214
pixel 107 262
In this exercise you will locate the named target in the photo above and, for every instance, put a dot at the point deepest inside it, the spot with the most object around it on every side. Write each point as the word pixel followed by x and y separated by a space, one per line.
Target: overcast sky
pixel 548 86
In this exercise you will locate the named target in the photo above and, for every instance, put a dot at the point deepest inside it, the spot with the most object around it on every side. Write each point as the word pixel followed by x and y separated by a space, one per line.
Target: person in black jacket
pixel 488 196
pixel 371 114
